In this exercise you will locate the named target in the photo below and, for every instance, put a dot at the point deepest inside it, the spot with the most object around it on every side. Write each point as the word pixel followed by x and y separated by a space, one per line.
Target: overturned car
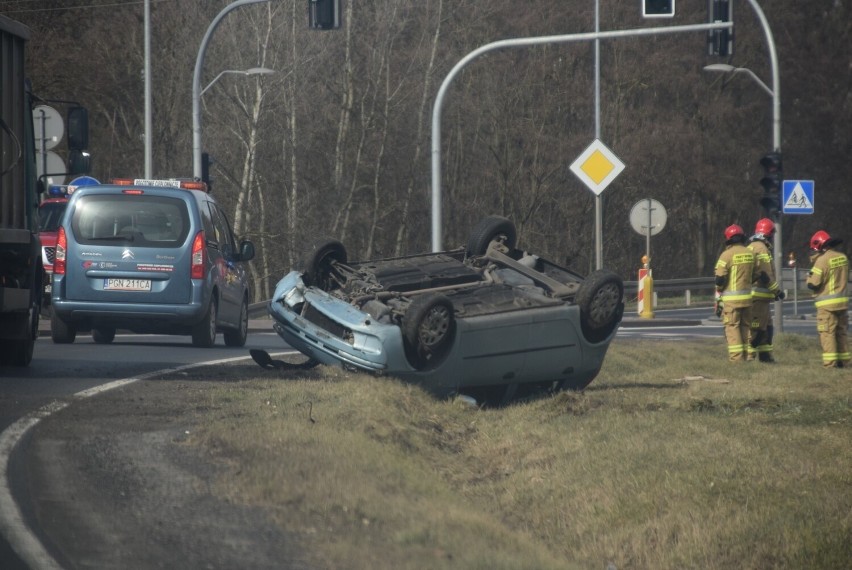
pixel 487 317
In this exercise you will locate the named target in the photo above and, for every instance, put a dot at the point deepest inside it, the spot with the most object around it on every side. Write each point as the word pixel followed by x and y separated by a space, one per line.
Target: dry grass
pixel 672 458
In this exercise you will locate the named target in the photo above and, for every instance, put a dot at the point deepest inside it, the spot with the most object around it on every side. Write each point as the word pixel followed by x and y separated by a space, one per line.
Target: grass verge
pixel 672 458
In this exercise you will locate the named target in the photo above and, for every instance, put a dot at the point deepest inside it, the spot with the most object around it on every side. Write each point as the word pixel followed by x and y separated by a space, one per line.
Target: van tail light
pixel 61 245
pixel 199 253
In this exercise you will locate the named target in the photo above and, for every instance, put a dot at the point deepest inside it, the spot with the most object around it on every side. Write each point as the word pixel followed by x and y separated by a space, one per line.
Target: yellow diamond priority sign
pixel 597 166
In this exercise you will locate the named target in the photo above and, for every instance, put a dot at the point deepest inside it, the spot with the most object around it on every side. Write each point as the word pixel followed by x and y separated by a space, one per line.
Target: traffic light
pixel 324 14
pixel 79 159
pixel 773 178
pixel 658 8
pixel 720 42
pixel 206 161
pixel 78 128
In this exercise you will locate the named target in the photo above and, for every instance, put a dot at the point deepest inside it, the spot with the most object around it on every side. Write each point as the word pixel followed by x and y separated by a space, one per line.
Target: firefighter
pixel 762 327
pixel 827 279
pixel 735 273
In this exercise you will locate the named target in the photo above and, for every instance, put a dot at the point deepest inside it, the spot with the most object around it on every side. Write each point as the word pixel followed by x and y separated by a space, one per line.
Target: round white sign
pixel 49 126
pixel 648 217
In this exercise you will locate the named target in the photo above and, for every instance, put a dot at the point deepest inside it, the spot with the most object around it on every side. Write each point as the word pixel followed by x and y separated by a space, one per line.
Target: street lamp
pixel 246 72
pixel 196 83
pixel 725 68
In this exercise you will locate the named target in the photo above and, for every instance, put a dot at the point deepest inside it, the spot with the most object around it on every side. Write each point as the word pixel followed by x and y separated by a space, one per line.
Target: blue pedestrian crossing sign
pixel 797 197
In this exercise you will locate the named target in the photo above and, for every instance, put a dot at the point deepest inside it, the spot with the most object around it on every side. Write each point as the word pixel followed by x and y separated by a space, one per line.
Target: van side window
pixel 224 236
pixel 209 229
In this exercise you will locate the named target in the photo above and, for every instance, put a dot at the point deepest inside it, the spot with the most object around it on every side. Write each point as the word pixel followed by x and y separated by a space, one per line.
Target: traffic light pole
pixel 776 147
pixel 437 108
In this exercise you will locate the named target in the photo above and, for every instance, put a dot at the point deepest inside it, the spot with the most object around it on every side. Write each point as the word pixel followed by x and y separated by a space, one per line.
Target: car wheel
pixel 238 336
pixel 489 229
pixel 318 260
pixel 60 331
pixel 601 301
pixel 428 328
pixel 204 333
pixel 103 335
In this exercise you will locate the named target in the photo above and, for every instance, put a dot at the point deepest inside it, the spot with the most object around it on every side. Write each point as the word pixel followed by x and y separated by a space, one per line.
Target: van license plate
pixel 127 284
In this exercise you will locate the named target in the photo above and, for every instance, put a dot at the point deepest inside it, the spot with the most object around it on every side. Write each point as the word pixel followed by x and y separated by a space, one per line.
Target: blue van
pixel 149 256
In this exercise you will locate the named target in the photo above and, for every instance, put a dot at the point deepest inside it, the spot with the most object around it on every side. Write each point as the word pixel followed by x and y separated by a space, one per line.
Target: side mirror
pixel 246 250
pixel 79 162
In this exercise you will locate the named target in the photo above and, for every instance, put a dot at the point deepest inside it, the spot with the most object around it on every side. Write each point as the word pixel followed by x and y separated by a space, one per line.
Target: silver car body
pixel 510 328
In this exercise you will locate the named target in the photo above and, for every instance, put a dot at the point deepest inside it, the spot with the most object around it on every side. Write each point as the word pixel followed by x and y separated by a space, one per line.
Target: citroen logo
pixel 127 254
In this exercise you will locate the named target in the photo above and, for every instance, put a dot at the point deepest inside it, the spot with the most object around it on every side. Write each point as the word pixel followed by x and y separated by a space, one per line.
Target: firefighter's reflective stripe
pixel 736 295
pixel 837 299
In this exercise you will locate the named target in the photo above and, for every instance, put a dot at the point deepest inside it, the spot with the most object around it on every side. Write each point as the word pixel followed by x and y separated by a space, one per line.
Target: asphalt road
pixel 60 373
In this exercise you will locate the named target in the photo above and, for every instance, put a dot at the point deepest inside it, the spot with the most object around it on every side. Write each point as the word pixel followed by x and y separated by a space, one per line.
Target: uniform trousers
pixel 737 322
pixel 831 326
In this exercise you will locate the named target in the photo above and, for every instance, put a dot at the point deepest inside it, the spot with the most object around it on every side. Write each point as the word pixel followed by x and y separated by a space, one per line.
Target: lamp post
pixel 196 83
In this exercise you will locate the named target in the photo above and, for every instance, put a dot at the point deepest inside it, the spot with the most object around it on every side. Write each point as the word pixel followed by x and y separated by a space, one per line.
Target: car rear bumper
pixel 130 316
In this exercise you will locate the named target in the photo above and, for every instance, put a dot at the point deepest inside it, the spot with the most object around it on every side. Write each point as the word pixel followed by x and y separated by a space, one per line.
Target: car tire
pixel 103 335
pixel 428 329
pixel 238 336
pixel 601 301
pixel 204 333
pixel 60 331
pixel 317 262
pixel 489 229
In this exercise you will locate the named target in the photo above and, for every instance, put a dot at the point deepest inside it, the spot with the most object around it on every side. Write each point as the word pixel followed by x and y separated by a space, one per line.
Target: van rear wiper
pixel 112 238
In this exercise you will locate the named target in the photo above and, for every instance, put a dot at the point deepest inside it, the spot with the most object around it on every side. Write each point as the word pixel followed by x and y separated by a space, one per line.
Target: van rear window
pixel 144 221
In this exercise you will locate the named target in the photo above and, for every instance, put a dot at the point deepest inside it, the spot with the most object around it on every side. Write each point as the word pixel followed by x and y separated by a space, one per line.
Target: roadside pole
pixel 776 146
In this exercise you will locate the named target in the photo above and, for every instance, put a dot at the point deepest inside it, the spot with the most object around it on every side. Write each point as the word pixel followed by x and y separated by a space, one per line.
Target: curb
pixel 639 322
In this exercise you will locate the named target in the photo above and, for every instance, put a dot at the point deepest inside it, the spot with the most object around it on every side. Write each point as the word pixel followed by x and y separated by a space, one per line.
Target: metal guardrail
pixel 258 310
pixel 687 284
pixel 792 279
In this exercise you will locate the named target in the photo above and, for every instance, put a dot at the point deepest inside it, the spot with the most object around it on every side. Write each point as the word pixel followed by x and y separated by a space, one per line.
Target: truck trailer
pixel 21 273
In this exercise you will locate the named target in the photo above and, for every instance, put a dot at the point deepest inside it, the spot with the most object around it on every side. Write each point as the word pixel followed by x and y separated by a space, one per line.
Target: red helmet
pixel 765 227
pixel 733 230
pixel 819 239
